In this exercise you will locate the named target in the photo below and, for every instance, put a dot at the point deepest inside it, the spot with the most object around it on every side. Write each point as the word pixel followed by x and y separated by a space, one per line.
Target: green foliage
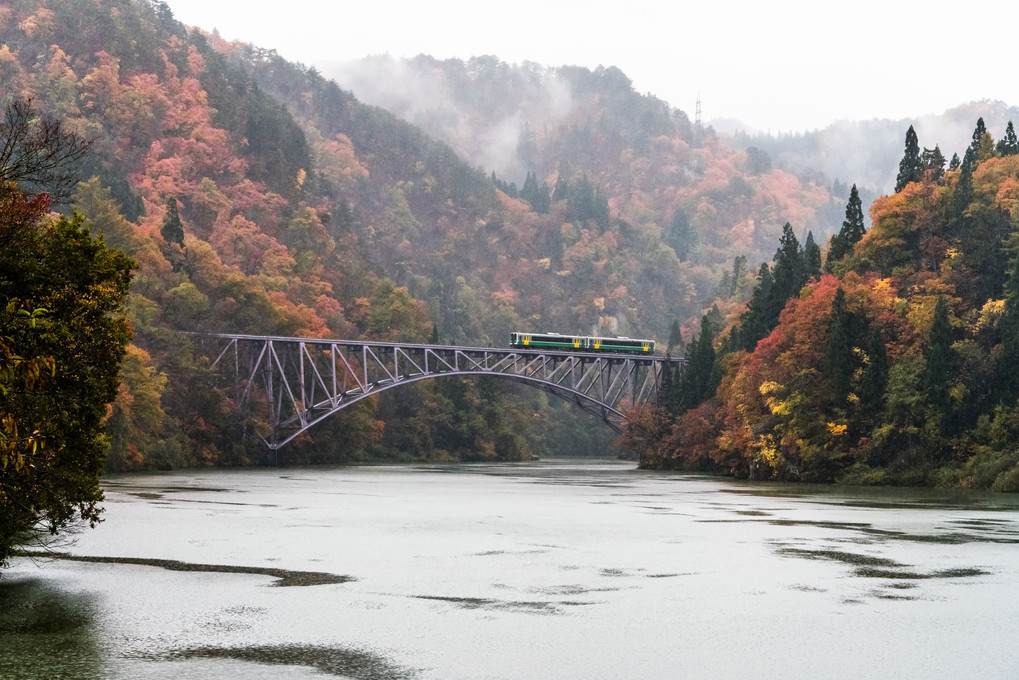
pixel 933 163
pixel 852 231
pixel 837 367
pixel 172 230
pixel 1008 145
pixel 911 165
pixel 57 420
pixel 700 376
pixel 875 375
pixel 681 235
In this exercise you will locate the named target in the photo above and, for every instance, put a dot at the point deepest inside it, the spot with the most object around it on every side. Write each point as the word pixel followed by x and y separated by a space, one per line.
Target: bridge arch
pixel 295 383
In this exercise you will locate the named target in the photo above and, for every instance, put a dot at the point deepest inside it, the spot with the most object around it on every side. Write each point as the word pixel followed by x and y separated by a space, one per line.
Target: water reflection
pixel 46 632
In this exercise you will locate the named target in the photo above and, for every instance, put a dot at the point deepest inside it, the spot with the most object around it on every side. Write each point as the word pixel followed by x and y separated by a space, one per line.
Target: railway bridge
pixel 293 383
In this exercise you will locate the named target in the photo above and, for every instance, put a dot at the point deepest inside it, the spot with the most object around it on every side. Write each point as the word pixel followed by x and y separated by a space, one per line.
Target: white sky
pixel 777 65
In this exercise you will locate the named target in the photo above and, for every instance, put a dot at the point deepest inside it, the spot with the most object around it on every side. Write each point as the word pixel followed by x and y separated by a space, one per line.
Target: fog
pixel 478 107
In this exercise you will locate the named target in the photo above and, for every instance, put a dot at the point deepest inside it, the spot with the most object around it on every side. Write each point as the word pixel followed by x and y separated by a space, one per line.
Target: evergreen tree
pixel 939 361
pixel 838 248
pixel 934 163
pixel 172 229
pixel 853 225
pixel 754 323
pixel 676 344
pixel 789 272
pixel 973 151
pixel 963 194
pixel 954 163
pixel 875 375
pixel 911 166
pixel 562 189
pixel 1009 144
pixel 668 392
pixel 1007 377
pixel 837 367
pixel 681 236
pixel 811 257
pixel 700 378
pixel 739 271
pixel 852 231
pixel 536 194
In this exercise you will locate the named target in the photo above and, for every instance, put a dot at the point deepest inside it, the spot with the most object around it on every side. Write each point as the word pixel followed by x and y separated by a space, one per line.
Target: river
pixel 555 569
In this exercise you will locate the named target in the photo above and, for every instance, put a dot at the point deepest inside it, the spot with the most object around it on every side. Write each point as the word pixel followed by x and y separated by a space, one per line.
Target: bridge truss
pixel 293 383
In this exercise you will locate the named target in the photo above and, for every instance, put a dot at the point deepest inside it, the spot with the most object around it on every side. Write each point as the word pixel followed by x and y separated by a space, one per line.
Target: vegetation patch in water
pixel 501 605
pixel 338 661
pixel 284 577
pixel 871 572
pixel 840 556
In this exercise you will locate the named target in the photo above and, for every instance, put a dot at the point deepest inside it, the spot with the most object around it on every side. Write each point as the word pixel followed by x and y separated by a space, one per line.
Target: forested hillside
pixel 659 171
pixel 257 196
pixel 895 364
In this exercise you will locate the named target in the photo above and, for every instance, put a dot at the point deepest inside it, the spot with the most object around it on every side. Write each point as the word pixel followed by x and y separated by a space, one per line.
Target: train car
pixel 581 343
pixel 547 341
pixel 621 344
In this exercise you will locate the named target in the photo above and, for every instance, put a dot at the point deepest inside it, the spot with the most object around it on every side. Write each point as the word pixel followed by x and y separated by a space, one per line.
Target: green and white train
pixel 581 343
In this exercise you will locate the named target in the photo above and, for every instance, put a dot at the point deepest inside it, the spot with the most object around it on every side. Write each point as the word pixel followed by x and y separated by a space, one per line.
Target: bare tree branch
pixel 37 152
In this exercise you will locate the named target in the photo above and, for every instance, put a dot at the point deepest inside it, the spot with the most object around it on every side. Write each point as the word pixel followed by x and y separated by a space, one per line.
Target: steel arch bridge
pixel 293 383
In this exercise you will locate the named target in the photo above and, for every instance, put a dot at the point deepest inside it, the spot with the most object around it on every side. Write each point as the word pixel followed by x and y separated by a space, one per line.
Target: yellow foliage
pixel 768 452
pixel 837 429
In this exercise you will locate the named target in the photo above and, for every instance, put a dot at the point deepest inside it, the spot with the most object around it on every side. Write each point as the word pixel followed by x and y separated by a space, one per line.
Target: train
pixel 581 343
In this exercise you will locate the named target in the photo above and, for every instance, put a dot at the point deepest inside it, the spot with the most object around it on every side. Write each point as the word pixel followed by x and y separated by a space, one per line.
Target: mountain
pixel 867 152
pixel 259 196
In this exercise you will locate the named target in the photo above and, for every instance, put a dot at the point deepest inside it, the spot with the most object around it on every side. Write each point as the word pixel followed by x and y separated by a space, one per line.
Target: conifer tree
pixel 838 248
pixel 934 162
pixel 676 338
pixel 939 361
pixel 535 194
pixel 562 189
pixel 853 225
pixel 837 367
pixel 911 166
pixel 681 235
pixel 973 150
pixel 699 379
pixel 172 229
pixel 955 162
pixel 1007 376
pixel 963 193
pixel 789 273
pixel 1009 144
pixel 739 271
pixel 875 375
pixel 668 388
pixel 811 257
pixel 852 231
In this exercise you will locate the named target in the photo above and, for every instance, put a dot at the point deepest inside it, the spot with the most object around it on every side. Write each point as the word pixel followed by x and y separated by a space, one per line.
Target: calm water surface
pixel 554 569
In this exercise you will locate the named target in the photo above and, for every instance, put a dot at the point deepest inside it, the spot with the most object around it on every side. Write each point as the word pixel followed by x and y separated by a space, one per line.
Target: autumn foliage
pixel 897 368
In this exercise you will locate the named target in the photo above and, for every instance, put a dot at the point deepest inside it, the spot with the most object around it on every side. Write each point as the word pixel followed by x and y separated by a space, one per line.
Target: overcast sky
pixel 778 66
